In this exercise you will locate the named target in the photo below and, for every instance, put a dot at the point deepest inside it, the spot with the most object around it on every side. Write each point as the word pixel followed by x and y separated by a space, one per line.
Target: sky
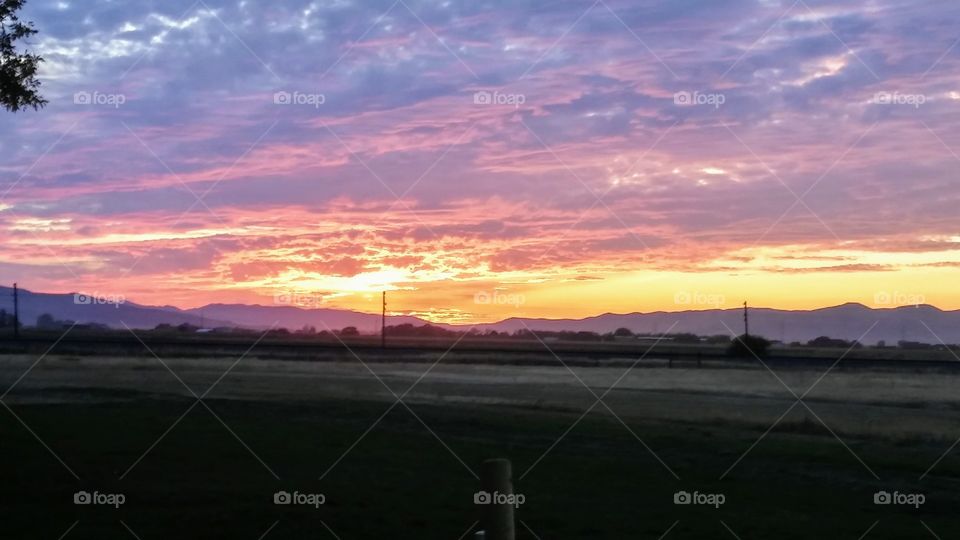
pixel 485 159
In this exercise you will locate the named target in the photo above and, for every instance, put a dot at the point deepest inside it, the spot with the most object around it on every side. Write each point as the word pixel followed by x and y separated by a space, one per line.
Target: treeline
pixel 408 330
pixel 307 330
pixel 621 334
pixel 825 342
pixel 437 332
pixel 757 344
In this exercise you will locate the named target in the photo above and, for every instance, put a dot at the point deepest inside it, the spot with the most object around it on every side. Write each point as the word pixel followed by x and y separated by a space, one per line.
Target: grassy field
pixel 410 479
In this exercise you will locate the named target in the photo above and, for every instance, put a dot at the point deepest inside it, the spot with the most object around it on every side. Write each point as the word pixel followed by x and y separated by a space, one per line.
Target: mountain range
pixel 922 323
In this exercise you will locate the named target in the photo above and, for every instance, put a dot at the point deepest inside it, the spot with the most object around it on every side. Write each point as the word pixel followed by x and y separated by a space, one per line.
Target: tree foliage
pixel 19 87
pixel 747 346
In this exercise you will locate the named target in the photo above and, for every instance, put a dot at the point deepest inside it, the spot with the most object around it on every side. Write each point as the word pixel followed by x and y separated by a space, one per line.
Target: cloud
pixel 583 163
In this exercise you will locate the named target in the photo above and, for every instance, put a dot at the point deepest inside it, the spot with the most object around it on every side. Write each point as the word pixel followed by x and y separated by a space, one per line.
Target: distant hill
pixel 847 321
pixel 85 309
pixel 293 317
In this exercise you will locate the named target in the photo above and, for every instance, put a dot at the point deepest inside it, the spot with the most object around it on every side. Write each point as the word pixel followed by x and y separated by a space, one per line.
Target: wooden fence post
pixel 496 480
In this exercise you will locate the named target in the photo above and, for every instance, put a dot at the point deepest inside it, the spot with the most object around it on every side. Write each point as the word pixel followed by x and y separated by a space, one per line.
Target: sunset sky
pixel 492 158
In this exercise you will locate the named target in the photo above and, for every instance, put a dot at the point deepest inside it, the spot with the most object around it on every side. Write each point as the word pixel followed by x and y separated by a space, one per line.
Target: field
pixel 209 468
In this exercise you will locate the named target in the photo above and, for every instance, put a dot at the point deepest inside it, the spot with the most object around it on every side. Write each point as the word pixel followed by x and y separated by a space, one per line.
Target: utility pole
pixel 746 321
pixel 383 322
pixel 16 312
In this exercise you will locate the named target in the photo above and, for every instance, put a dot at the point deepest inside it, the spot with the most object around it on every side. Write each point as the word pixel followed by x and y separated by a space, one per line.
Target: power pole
pixel 383 322
pixel 746 321
pixel 16 312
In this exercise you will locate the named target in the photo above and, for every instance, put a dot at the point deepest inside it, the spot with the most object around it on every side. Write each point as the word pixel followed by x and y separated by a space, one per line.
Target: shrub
pixel 747 346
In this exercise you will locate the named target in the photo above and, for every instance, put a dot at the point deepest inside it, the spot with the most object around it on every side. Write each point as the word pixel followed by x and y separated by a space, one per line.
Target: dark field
pixel 114 423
